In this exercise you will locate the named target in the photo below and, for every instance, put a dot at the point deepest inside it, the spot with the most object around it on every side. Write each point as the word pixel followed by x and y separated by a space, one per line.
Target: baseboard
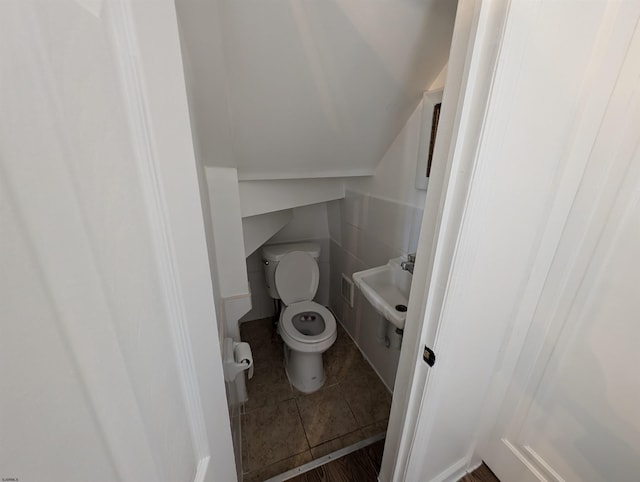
pixel 453 473
pixel 235 307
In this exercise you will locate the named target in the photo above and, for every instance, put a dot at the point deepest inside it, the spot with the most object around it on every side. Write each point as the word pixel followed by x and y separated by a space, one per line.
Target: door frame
pixel 146 48
pixel 152 67
pixel 472 64
pixel 479 37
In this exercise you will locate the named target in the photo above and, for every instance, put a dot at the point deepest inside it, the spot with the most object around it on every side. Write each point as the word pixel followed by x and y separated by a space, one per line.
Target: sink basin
pixel 387 289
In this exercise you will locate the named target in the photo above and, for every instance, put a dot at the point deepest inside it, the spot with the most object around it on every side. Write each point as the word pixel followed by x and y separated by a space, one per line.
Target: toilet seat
pixel 305 343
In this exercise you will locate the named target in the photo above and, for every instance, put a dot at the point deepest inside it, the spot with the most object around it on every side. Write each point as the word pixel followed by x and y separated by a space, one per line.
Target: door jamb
pixel 147 50
pixel 472 65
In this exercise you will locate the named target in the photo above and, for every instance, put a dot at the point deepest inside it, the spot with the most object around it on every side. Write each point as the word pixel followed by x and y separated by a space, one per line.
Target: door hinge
pixel 429 356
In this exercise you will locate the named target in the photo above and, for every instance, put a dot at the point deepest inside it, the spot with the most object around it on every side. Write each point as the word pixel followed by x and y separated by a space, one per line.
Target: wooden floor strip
pixel 481 474
pixel 359 460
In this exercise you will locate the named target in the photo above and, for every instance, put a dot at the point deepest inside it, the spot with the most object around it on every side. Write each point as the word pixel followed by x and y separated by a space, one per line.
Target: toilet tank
pixel 273 253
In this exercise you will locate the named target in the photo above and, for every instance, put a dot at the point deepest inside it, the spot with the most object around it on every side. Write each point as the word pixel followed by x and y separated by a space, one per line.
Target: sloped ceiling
pixel 317 88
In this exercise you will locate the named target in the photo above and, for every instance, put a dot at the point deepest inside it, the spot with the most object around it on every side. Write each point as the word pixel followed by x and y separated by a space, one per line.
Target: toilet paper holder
pixel 237 358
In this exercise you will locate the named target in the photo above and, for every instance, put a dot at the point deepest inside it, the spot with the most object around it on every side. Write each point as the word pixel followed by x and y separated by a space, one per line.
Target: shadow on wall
pixel 367 231
pixel 309 223
pixel 262 303
pixel 338 79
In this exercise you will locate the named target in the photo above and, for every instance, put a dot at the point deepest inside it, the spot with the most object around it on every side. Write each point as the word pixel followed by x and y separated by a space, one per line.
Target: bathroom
pixel 361 359
pixel 137 324
pixel 313 152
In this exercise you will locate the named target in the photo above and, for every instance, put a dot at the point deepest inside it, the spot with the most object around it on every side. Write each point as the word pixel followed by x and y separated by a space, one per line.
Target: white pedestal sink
pixel 387 289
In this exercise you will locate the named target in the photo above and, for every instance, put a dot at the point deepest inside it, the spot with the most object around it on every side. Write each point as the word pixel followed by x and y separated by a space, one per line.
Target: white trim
pixel 549 472
pixel 253 175
pixel 527 463
pixel 235 307
pixel 121 23
pixel 201 471
pixel 454 472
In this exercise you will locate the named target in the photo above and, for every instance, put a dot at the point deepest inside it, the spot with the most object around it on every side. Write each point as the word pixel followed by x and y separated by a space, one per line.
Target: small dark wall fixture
pixel 431 107
pixel 434 130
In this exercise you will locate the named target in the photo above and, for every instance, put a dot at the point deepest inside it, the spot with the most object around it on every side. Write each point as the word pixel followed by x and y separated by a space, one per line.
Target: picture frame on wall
pixel 431 107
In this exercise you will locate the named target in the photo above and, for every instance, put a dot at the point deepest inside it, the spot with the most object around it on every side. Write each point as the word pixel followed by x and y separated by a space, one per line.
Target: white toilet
pixel 307 328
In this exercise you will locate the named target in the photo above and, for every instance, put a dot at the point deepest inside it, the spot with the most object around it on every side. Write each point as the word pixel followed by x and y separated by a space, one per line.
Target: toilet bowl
pixel 307 328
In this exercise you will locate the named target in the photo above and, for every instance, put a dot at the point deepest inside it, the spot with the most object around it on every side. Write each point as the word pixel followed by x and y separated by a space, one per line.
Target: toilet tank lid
pixel 275 252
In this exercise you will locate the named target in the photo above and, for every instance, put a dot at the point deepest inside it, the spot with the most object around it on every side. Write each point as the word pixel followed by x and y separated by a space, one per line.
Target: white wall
pixel 367 231
pixel 440 80
pixel 228 264
pixel 379 219
pixel 230 388
pixel 259 228
pixel 308 222
pixel 221 206
pixel 206 78
pixel 224 207
pixel 394 177
pixel 314 89
pixel 267 196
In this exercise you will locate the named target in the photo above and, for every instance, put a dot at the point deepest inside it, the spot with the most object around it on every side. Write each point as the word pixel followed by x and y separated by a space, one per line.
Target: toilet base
pixel 304 370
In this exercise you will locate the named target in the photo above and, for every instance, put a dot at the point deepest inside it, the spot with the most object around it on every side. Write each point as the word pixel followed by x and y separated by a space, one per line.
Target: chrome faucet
pixel 409 263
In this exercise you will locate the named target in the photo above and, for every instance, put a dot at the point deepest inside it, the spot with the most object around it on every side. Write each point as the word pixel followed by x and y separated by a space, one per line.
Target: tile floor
pixel 283 428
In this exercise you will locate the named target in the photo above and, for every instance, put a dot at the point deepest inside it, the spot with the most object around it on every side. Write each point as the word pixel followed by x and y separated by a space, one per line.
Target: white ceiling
pixel 309 88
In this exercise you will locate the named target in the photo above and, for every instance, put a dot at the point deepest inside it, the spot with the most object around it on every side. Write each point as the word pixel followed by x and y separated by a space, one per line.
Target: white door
pixel 109 360
pixel 572 405
pixel 539 234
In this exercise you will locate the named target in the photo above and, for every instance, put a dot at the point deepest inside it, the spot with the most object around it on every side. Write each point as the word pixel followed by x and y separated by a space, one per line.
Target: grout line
pixel 335 438
pixel 276 462
pixel 304 430
pixel 307 449
pixel 283 459
pixel 296 397
pixel 352 412
pixel 270 404
pixel 326 459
